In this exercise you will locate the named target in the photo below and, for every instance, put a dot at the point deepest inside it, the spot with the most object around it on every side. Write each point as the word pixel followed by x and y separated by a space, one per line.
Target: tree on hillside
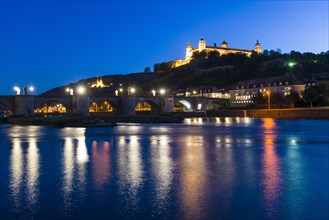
pixel 164 66
pixel 292 98
pixel 199 55
pixel 147 69
pixel 311 95
pixel 213 54
pixel 276 98
pixel 325 94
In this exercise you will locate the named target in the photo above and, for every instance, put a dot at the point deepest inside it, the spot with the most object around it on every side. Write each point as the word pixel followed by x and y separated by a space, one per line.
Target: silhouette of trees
pixel 311 95
pixel 292 98
pixel 164 66
pixel 147 69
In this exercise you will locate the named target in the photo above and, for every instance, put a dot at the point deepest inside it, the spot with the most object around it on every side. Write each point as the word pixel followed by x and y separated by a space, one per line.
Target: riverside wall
pixel 291 113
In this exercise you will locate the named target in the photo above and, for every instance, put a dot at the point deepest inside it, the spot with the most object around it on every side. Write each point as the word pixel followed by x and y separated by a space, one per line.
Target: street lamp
pixel 69 91
pixel 31 88
pixel 162 91
pixel 131 90
pixel 153 92
pixel 81 90
pixel 17 90
pixel 268 92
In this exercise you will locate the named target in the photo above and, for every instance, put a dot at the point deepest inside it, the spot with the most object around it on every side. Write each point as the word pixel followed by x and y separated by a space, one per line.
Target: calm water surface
pixel 229 168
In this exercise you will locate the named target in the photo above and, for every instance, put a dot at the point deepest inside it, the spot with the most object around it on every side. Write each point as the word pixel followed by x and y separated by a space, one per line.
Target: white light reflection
pixel 225 174
pixel 134 163
pixel 32 171
pixel 16 168
pixel 295 164
pixel 129 168
pixel 247 120
pixel 162 167
pixel 237 120
pixel 82 154
pixel 293 141
pixel 68 166
pixel 187 120
pixel 82 159
pixel 228 120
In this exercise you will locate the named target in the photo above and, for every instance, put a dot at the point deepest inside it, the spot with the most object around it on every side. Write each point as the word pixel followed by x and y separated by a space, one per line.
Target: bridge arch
pixel 51 106
pixel 182 106
pixel 5 110
pixel 102 105
pixel 146 107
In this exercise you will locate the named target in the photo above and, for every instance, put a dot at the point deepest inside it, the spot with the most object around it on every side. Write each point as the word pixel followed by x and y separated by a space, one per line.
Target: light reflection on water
pixel 130 172
pixel 162 169
pixel 68 171
pixel 24 173
pixel 271 169
pixel 33 164
pixel 203 169
pixel 16 163
pixel 193 177
pixel 101 163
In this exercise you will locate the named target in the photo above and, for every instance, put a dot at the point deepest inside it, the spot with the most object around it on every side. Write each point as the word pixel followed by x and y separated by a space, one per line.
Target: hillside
pixel 222 72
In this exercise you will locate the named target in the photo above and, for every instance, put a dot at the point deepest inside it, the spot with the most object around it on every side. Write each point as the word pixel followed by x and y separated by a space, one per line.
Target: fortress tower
pixel 223 49
pixel 258 49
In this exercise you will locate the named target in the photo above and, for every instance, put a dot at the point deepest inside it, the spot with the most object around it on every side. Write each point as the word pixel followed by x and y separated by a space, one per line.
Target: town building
pixel 242 93
pixel 213 92
pixel 222 50
pixel 204 91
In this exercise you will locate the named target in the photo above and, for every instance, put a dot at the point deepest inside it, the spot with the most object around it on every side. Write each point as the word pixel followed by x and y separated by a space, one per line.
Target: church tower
pixel 258 49
pixel 224 44
pixel 202 44
pixel 188 51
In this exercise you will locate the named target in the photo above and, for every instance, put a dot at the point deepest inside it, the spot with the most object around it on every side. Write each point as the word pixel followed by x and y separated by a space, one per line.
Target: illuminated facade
pixel 243 92
pixel 99 84
pixel 222 50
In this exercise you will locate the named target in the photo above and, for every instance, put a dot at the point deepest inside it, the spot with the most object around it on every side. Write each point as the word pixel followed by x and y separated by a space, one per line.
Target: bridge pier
pixel 166 104
pixel 81 104
pixel 24 105
pixel 127 105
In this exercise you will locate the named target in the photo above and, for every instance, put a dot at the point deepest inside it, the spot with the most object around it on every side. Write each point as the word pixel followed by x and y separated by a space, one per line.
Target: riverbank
pixel 92 121
pixel 174 117
pixel 289 113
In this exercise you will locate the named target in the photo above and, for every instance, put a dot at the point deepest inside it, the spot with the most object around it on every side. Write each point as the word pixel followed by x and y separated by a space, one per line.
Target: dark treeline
pixel 209 68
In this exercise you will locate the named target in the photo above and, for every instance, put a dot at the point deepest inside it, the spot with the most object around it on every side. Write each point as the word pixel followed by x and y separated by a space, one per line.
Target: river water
pixel 220 168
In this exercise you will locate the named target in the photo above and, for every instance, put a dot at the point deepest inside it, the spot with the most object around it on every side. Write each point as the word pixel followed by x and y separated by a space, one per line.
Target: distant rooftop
pixel 270 80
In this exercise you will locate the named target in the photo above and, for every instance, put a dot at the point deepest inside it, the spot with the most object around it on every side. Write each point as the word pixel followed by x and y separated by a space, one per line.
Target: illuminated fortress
pixel 223 49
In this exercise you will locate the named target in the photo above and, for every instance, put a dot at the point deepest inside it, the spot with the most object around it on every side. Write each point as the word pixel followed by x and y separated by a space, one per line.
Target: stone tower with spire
pixel 188 51
pixel 258 49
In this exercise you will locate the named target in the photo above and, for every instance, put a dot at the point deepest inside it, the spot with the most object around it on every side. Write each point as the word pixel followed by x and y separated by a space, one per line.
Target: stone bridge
pixel 121 105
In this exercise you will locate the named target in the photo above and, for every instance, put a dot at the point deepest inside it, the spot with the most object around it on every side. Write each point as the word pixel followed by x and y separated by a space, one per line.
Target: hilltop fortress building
pixel 223 49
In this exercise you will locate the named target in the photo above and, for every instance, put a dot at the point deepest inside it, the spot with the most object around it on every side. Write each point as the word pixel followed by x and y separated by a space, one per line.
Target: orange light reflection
pixel 271 169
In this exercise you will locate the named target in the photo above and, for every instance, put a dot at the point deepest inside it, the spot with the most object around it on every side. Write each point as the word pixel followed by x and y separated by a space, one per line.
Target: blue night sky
pixel 53 43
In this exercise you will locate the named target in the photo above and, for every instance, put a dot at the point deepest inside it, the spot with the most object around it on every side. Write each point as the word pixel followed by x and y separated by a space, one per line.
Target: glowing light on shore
pixel 81 90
